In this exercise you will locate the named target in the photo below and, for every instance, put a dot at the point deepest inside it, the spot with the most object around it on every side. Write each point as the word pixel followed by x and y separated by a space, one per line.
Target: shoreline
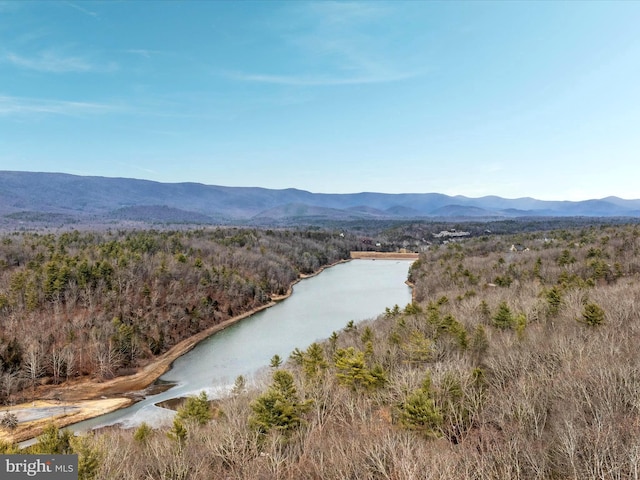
pixel 82 399
pixel 62 414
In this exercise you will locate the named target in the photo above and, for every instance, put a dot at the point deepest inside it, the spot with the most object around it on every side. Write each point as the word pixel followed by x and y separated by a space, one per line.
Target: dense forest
pixel 518 359
pixel 101 304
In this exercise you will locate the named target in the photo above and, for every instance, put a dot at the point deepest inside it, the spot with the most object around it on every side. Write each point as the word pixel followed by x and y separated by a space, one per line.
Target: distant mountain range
pixel 57 197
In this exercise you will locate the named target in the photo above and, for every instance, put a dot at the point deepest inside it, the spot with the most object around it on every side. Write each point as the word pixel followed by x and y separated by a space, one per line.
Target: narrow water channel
pixel 357 290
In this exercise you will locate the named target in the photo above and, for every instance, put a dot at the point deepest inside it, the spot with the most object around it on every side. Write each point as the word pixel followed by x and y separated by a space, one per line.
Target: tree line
pixel 102 304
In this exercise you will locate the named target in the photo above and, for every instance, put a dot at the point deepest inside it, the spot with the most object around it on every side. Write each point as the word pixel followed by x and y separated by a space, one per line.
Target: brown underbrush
pixel 510 364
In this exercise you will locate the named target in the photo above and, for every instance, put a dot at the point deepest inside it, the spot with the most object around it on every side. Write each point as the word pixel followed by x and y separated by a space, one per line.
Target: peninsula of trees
pixel 100 305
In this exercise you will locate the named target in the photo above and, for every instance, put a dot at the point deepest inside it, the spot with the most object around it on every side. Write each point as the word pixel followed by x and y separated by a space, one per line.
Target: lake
pixel 355 290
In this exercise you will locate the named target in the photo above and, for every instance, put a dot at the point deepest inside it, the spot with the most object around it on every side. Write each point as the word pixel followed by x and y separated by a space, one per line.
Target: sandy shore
pixel 35 416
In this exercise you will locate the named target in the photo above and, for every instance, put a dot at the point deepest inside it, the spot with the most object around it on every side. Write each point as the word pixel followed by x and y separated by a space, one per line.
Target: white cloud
pixel 137 167
pixel 82 9
pixel 47 62
pixel 53 62
pixel 318 80
pixel 335 43
pixel 13 106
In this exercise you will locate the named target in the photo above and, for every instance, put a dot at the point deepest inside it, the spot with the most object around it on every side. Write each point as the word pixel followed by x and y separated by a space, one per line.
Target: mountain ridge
pixel 94 197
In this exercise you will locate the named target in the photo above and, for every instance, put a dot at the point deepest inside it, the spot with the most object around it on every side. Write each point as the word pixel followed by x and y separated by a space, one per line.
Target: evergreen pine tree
pixel 593 315
pixel 54 441
pixel 503 318
pixel 195 409
pixel 279 408
pixel 419 411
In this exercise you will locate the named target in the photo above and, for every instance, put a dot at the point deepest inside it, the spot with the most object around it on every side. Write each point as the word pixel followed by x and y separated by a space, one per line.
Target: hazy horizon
pixel 317 192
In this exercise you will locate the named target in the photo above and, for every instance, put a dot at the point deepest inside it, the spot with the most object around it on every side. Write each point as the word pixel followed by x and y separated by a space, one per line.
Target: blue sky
pixel 515 99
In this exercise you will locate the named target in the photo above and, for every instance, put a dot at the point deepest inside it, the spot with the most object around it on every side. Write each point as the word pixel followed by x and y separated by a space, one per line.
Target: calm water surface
pixel 357 290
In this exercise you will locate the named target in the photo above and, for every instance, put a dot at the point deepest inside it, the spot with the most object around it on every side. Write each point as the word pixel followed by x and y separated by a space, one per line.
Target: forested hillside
pixel 101 304
pixel 517 360
pixel 55 199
